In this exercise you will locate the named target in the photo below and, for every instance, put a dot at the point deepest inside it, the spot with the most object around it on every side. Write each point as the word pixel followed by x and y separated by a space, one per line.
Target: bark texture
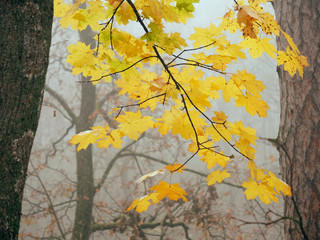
pixel 299 134
pixel 25 39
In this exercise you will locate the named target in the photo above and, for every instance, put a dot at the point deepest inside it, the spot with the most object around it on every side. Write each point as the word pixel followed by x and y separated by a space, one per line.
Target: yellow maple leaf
pixel 245 148
pixel 229 89
pixel 143 203
pixel 278 184
pixel 172 168
pixel 245 133
pixel 84 139
pixel 261 190
pixel 253 105
pixel 249 81
pixel 291 42
pixel 212 158
pixel 292 61
pixel 257 46
pixel 219 132
pixel 89 137
pixel 219 62
pixel 172 191
pixel 205 36
pixel 80 56
pixel 220 117
pixel 229 22
pixel 253 168
pixel 133 124
pixel 178 121
pixel 217 176
pixel 113 138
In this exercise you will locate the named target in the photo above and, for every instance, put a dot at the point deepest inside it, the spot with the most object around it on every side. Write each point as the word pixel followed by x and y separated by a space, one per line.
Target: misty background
pixel 52 170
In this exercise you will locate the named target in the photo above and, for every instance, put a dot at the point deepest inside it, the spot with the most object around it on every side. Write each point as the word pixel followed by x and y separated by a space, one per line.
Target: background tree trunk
pixel 85 184
pixel 25 39
pixel 299 134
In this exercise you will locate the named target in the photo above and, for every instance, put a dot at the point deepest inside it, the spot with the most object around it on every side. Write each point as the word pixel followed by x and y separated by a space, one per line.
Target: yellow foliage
pixel 217 176
pixel 172 191
pixel 182 97
pixel 143 203
pixel 134 124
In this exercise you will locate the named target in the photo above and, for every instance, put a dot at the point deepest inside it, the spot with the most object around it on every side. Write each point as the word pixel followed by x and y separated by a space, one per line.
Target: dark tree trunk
pixel 25 38
pixel 85 184
pixel 299 135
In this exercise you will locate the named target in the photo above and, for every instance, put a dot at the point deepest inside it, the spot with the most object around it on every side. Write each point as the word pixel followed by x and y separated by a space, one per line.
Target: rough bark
pixel 25 39
pixel 299 135
pixel 85 184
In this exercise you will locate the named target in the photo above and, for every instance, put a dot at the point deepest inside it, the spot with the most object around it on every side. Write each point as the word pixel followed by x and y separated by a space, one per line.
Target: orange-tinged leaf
pixel 246 14
pixel 217 176
pixel 172 168
pixel 173 191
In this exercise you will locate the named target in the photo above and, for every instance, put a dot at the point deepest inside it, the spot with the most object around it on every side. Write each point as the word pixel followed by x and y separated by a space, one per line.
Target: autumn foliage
pixel 178 98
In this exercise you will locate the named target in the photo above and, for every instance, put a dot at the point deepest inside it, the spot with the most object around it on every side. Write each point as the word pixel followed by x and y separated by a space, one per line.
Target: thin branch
pixel 50 204
pixel 61 101
pixel 140 103
pixel 115 73
pixel 111 163
pixel 106 25
pixel 151 225
pixel 167 163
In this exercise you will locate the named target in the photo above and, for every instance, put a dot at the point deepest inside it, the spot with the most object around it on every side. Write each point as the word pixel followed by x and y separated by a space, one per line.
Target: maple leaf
pixel 172 168
pixel 257 46
pixel 217 176
pixel 261 190
pixel 143 203
pixel 113 138
pixel 80 55
pixel 133 124
pixel 253 105
pixel 248 16
pixel 89 137
pixel 249 81
pixel 245 133
pixel 173 191
pixel 278 184
pixel 205 36
pixel 229 89
pixel 187 92
pixel 212 158
pixel 292 61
